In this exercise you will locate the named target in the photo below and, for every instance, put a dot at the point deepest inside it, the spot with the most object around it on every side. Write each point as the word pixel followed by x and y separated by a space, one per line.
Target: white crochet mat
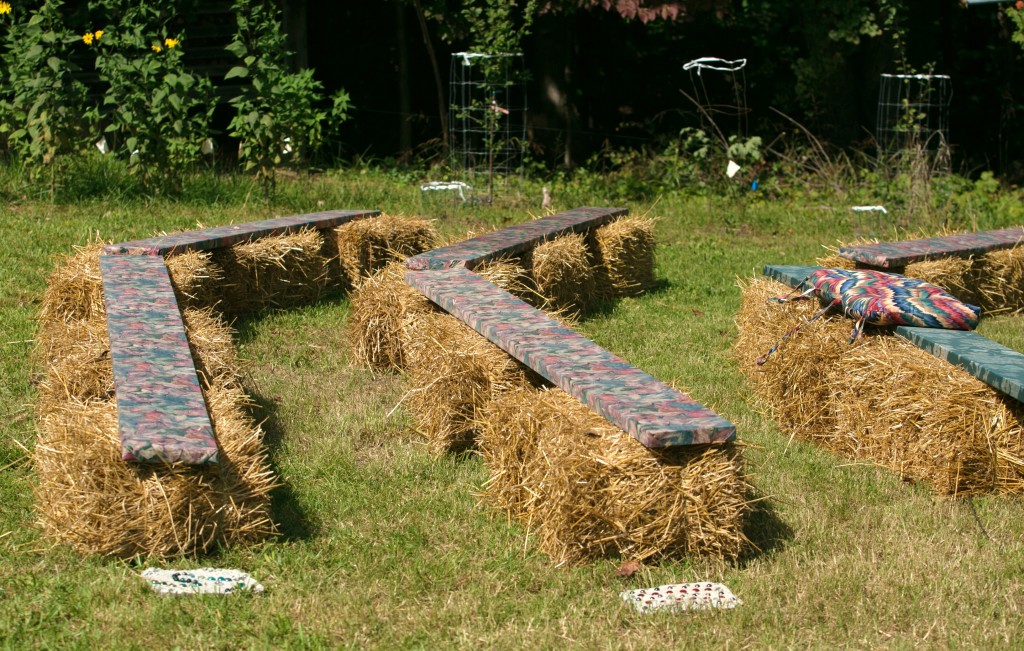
pixel 206 580
pixel 681 596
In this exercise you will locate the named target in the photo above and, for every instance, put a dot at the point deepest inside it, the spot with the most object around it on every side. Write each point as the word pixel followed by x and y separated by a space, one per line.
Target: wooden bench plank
pixel 161 412
pixel 896 255
pixel 224 236
pixel 513 239
pixel 996 365
pixel 654 413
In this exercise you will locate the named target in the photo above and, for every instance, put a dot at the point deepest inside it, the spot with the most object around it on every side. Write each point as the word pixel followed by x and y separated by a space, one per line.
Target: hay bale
pixel 453 372
pixel 196 278
pixel 363 246
pixel 273 272
pixel 75 287
pixel 379 308
pixel 880 399
pixel 951 274
pixel 90 499
pixel 929 421
pixel 75 356
pixel 563 272
pixel 792 385
pixel 211 341
pixel 587 490
pixel 624 251
pixel 998 277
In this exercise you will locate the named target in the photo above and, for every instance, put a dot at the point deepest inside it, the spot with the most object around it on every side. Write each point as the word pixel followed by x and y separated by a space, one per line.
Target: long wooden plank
pixel 222 236
pixel 513 239
pixel 654 413
pixel 161 412
pixel 896 255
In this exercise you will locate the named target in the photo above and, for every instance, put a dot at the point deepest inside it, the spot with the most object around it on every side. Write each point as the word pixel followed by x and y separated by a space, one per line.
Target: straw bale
pixel 932 422
pixel 453 373
pixel 75 287
pixel 196 278
pixel 999 279
pixel 363 246
pixel 75 356
pixel 273 272
pixel 792 385
pixel 624 251
pixel 378 308
pixel 587 490
pixel 211 341
pixel 951 274
pixel 90 499
pixel 563 272
pixel 880 399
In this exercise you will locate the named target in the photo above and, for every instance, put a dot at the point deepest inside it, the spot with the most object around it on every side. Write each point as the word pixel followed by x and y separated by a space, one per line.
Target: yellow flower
pixel 98 34
pixel 171 43
pixel 5 8
pixel 88 38
pixel 156 48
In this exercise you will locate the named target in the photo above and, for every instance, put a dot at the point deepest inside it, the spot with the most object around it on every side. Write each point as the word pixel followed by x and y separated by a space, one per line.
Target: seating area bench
pixel 896 255
pixel 162 414
pixel 652 412
pixel 994 364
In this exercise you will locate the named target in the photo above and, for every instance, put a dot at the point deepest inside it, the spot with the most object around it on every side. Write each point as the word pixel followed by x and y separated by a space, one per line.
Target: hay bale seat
pixel 113 311
pixel 892 397
pixel 983 268
pixel 623 461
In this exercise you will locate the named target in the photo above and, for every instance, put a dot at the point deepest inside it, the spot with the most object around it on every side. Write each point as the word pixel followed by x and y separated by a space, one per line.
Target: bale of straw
pixel 378 308
pixel 363 246
pixel 792 385
pixel 75 287
pixel 273 272
pixel 196 278
pixel 453 373
pixel 929 421
pixel 75 356
pixel 563 272
pixel 588 490
pixel 999 280
pixel 213 349
pixel 624 251
pixel 951 274
pixel 880 400
pixel 90 499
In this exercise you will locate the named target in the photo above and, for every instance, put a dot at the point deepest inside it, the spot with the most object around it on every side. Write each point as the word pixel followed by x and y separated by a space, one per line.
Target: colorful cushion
pixel 882 299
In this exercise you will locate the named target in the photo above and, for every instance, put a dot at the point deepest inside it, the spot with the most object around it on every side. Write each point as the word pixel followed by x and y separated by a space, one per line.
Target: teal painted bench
pixel 996 365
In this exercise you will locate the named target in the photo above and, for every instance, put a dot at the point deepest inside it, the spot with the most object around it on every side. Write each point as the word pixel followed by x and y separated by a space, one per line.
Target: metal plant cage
pixel 719 88
pixel 913 116
pixel 487 118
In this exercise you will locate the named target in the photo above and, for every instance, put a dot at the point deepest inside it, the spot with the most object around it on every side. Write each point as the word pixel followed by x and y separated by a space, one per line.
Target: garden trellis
pixel 487 113
pixel 913 114
pixel 720 97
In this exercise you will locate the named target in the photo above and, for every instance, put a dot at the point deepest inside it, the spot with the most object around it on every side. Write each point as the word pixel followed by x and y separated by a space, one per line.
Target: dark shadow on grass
pixel 247 326
pixel 285 509
pixel 764 528
pixel 607 306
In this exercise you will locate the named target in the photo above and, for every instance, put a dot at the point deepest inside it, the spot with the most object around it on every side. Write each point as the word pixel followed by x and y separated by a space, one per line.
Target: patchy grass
pixel 383 543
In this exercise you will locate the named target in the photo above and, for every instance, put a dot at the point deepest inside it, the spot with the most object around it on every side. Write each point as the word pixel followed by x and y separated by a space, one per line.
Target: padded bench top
pixel 161 412
pixel 654 413
pixel 896 255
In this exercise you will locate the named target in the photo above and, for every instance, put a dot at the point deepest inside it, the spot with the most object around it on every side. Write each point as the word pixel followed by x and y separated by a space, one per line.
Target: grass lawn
pixel 384 544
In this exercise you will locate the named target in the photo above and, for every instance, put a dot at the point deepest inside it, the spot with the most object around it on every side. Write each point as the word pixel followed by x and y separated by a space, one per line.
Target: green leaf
pixel 237 71
pixel 54 63
pixel 237 48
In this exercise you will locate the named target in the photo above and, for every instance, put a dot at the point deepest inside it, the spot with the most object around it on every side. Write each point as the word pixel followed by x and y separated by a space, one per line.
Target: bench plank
pixel 654 413
pixel 896 255
pixel 513 239
pixel 996 365
pixel 161 412
pixel 224 236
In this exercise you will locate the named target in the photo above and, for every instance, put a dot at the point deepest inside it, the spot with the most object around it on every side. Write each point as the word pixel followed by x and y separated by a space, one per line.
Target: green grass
pixel 384 544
